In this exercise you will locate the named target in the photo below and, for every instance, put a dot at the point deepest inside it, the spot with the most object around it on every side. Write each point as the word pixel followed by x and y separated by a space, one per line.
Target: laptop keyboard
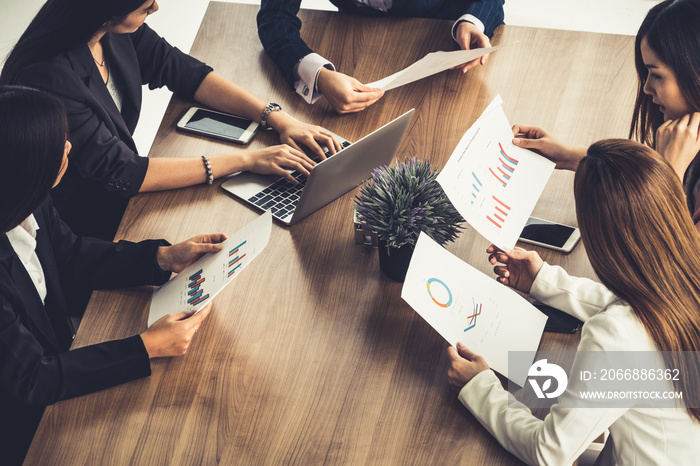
pixel 281 197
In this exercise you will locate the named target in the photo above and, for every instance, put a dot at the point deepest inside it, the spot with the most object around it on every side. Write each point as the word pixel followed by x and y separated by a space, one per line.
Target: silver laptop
pixel 328 180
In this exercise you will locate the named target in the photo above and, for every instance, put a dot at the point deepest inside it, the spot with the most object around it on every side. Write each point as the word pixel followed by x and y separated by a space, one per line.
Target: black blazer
pixel 36 368
pixel 105 169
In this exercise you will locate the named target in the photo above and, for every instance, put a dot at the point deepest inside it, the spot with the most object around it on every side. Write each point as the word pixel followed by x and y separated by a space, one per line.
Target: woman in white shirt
pixel 644 248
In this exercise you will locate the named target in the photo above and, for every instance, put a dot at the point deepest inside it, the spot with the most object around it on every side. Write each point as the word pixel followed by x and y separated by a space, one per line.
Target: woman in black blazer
pixel 42 264
pixel 96 55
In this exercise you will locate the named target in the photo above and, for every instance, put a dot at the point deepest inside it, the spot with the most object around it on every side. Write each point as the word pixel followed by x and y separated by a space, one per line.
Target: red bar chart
pixel 505 168
pixel 500 213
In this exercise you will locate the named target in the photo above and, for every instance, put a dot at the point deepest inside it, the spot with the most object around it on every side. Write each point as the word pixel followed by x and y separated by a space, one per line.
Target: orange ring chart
pixel 432 281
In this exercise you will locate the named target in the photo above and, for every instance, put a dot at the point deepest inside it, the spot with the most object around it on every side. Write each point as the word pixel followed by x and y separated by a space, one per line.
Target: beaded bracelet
pixel 207 167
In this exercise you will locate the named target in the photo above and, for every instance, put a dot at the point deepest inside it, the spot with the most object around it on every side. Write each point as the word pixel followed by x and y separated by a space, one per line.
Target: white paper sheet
pixel 465 305
pixel 199 283
pixel 429 65
pixel 492 183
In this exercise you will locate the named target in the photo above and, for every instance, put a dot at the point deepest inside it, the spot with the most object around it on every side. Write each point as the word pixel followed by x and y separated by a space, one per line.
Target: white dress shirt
pixel 649 436
pixel 23 241
pixel 310 66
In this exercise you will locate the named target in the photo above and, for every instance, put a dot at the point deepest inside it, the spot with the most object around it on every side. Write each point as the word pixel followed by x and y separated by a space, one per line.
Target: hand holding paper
pixel 177 257
pixel 519 269
pixel 172 334
pixel 465 305
pixel 198 284
pixel 429 65
pixel 345 93
pixel 469 37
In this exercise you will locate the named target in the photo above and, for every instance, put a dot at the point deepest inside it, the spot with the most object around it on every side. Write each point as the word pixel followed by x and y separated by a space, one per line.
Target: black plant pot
pixel 394 261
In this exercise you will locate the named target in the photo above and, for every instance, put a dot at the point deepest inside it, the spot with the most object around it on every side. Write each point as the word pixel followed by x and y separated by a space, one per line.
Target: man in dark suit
pixel 313 76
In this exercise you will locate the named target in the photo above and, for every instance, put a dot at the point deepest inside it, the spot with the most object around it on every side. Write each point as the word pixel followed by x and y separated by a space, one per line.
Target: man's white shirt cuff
pixel 470 19
pixel 307 72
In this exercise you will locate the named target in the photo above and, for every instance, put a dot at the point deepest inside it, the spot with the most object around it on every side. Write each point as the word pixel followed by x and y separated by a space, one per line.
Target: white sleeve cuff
pixel 470 19
pixel 307 72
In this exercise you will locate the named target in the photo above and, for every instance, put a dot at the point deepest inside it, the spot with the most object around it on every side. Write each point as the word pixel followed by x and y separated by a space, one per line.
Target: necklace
pixel 100 64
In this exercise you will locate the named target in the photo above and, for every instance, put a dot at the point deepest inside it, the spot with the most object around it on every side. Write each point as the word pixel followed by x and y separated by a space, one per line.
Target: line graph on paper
pixel 450 306
pixel 472 318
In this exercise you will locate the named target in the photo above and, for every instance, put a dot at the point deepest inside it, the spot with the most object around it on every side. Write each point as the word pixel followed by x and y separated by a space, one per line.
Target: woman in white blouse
pixel 644 248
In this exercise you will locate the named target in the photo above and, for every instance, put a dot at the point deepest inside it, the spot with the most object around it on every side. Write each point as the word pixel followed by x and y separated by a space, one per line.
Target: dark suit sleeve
pixel 161 64
pixel 98 154
pixel 91 263
pixel 489 12
pixel 36 379
pixel 278 29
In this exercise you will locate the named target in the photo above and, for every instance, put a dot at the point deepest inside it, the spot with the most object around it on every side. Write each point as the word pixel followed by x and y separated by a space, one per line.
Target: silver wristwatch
pixel 269 108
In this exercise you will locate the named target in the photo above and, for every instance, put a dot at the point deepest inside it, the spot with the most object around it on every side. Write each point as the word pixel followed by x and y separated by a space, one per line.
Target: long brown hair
pixel 672 31
pixel 644 247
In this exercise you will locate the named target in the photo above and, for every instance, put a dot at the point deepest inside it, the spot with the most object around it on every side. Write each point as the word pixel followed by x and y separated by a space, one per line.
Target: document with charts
pixel 492 183
pixel 465 305
pixel 195 286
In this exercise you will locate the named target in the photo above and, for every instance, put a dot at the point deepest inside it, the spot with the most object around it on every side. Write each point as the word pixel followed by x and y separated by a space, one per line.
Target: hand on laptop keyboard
pixel 326 152
pixel 298 134
pixel 281 197
pixel 273 161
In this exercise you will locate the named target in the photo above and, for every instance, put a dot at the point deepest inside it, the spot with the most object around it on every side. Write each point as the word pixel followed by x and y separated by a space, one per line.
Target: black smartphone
pixel 558 321
pixel 550 235
pixel 232 128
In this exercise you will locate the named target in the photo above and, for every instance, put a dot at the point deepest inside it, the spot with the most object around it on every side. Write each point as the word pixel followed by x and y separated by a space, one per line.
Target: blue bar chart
pixel 477 185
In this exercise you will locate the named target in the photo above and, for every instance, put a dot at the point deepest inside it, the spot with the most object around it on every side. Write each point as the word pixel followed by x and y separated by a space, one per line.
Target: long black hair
pixel 672 30
pixel 62 25
pixel 33 131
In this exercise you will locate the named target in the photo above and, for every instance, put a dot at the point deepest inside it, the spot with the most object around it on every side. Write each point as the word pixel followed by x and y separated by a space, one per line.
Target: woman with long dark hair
pixel 667 109
pixel 43 264
pixel 96 55
pixel 645 250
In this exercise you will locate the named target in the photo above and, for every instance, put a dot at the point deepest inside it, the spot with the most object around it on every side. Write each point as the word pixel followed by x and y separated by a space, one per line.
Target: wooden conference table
pixel 311 356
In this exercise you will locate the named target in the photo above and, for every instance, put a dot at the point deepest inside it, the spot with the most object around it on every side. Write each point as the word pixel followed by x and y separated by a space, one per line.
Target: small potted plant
pixel 398 203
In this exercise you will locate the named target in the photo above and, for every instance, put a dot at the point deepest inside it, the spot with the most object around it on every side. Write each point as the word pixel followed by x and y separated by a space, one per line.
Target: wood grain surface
pixel 311 356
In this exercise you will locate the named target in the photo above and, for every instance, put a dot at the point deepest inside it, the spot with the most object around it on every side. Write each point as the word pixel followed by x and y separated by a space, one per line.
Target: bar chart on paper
pixel 192 288
pixel 235 262
pixel 195 288
pixel 505 168
pixel 492 183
